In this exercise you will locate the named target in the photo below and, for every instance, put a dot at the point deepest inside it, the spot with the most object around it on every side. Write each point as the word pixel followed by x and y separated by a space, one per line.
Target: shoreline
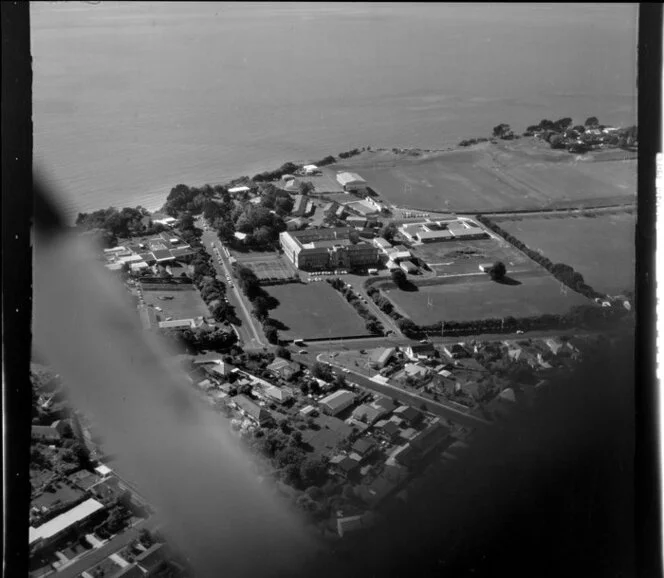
pixel 153 205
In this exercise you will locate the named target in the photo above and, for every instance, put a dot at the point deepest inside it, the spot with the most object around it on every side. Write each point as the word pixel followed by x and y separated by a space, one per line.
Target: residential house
pixel 378 358
pixel 336 402
pixel 130 571
pixel 419 351
pixel 456 351
pixel 387 429
pixel 554 344
pixel 279 394
pixel 364 447
pixel 409 414
pixel 251 410
pixel 415 370
pixel 220 369
pixel 351 524
pixel 344 466
pixel 153 559
pixel 284 368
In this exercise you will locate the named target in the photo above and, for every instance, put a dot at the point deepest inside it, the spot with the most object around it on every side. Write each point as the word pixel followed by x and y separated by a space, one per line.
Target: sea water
pixel 132 98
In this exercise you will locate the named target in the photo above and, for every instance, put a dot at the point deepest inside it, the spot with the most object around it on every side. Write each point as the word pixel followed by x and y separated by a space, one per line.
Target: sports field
pixel 476 297
pixel 272 269
pixel 457 257
pixel 601 248
pixel 315 310
pixel 503 177
pixel 185 304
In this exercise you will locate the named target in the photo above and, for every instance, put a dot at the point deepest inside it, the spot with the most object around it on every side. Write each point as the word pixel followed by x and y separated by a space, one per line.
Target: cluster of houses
pixel 145 254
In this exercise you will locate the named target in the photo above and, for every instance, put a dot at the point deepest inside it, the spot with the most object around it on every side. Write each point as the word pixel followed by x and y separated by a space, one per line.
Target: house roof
pixel 152 557
pixel 415 369
pixel 280 363
pixel 241 189
pixel 338 398
pixel 408 412
pixel 279 393
pixel 367 412
pixel 131 571
pixel 64 521
pixel 422 348
pixel 251 408
pixel 363 446
pixel 381 355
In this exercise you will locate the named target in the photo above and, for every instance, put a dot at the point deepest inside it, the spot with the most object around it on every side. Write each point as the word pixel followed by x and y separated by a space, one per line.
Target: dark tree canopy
pixel 498 271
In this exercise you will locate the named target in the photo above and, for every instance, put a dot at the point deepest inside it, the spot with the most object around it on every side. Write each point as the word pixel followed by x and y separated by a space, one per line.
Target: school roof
pixel 64 521
pixel 177 324
pixel 349 178
pixel 444 234
pixel 182 252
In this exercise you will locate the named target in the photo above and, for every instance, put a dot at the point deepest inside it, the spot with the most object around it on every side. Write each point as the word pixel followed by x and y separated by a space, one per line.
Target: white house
pixel 310 170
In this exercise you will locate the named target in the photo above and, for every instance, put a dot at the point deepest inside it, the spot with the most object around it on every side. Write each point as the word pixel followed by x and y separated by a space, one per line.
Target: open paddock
pixel 501 177
pixel 459 257
pixel 600 247
pixel 314 311
pixel 476 297
pixel 184 304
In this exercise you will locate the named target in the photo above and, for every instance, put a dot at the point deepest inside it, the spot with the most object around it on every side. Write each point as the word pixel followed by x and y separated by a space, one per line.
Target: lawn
pixel 501 177
pixel 478 297
pixel 601 248
pixel 185 304
pixel 457 257
pixel 314 311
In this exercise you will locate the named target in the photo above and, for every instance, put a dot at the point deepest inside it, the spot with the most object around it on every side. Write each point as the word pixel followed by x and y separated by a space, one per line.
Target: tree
pixel 563 123
pixel 592 122
pixel 306 187
pixel 271 334
pixel 296 438
pixel 282 352
pixel 388 232
pixel 406 326
pixel 498 271
pixel 399 277
pixel 322 371
pixel 313 472
pixel 556 141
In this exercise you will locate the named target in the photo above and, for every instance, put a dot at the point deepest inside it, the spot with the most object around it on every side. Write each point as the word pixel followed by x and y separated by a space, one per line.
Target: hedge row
pixel 564 273
pixel 372 323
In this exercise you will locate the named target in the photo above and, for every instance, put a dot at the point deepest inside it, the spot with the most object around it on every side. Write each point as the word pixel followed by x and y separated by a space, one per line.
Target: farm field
pixel 184 304
pixel 517 176
pixel 478 297
pixel 314 311
pixel 458 257
pixel 601 248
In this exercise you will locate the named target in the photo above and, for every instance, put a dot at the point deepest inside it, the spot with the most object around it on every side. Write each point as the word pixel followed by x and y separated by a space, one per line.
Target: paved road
pixel 117 543
pixel 400 394
pixel 314 347
pixel 249 334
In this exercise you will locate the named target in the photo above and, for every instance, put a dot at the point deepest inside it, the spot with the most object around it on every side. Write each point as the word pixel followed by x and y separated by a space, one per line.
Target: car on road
pixel 424 341
pixel 519 332
pixel 302 351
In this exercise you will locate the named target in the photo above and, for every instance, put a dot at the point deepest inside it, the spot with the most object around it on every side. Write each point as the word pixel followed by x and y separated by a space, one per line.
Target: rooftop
pixel 346 178
pixel 64 521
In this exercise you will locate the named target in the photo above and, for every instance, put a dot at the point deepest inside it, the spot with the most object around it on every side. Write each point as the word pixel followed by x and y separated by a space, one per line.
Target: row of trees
pixel 262 302
pixel 372 324
pixel 564 273
pixel 201 338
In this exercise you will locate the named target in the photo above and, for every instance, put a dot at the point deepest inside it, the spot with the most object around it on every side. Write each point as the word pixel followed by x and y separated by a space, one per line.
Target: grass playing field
pixel 601 248
pixel 476 297
pixel 508 176
pixel 183 305
pixel 315 310
pixel 457 257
